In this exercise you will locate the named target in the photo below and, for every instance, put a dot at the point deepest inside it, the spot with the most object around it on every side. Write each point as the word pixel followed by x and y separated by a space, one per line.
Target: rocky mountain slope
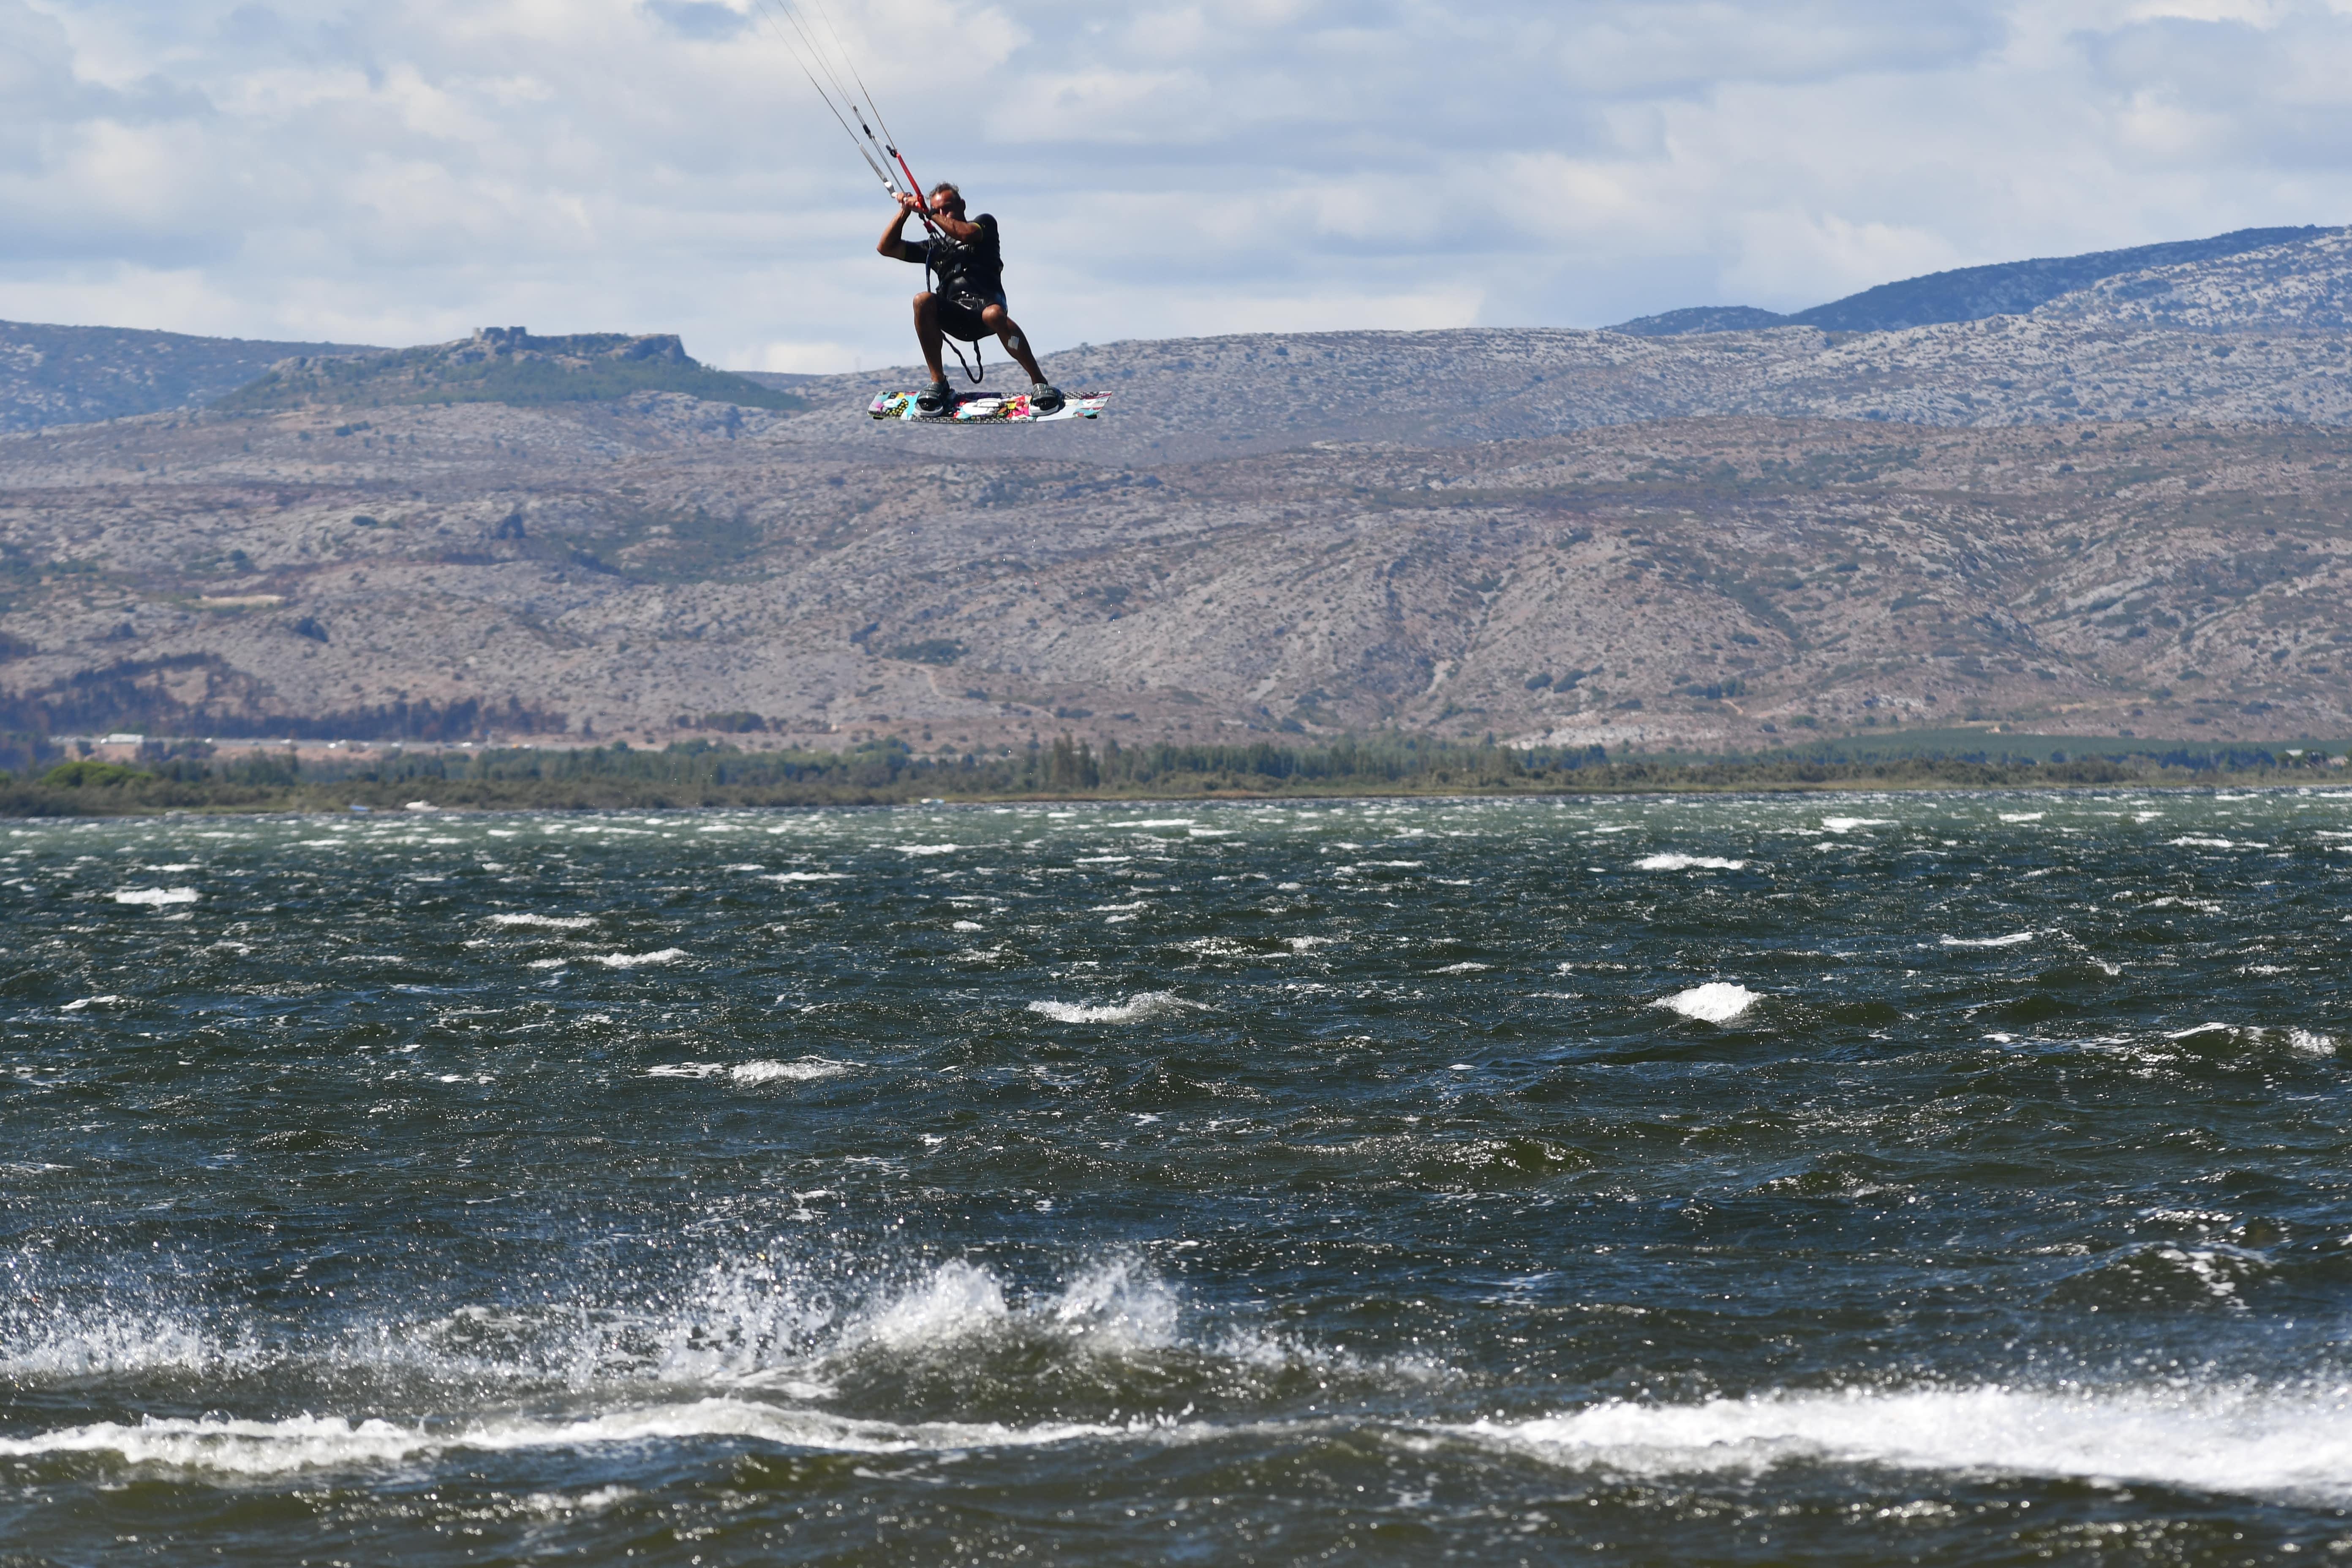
pixel 618 569
pixel 2096 517
pixel 1973 293
pixel 501 364
pixel 70 375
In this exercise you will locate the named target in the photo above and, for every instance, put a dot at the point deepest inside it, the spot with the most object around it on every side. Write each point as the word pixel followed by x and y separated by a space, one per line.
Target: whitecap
pixel 1687 863
pixel 156 896
pixel 551 922
pixel 636 959
pixel 928 848
pixel 76 1006
pixel 1144 1005
pixel 807 877
pixel 956 1302
pixel 1464 969
pixel 2240 1441
pixel 2197 841
pixel 1716 1001
pixel 806 1071
pixel 299 1443
pixel 2013 939
pixel 2023 816
pixel 1848 824
pixel 1160 822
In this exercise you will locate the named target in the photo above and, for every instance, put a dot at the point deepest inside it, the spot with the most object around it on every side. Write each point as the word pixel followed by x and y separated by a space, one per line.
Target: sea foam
pixel 1144 1005
pixel 1716 1001
pixel 2232 1440
pixel 1688 863
pixel 240 1447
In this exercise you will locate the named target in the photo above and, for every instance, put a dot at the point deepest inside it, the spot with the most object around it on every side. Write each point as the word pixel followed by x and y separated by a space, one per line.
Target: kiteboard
pixel 988 408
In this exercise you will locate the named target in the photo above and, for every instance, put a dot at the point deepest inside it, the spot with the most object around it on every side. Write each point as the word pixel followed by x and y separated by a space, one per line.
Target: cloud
pixel 404 173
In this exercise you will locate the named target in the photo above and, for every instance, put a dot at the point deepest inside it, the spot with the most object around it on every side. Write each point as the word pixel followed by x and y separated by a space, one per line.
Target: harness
pixel 978 368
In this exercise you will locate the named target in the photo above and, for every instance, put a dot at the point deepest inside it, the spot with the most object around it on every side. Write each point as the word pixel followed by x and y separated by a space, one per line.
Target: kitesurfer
pixel 967 297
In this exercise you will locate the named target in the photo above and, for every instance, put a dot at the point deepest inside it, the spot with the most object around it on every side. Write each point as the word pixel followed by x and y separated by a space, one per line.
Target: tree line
pixel 191 776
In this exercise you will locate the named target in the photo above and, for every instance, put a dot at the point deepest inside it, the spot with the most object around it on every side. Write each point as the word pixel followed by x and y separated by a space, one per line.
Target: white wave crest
pixel 956 1302
pixel 80 1003
pixel 928 848
pixel 1716 1001
pixel 324 1442
pixel 108 1340
pixel 2237 1441
pixel 2014 939
pixel 1143 1005
pixel 551 922
pixel 805 1071
pixel 807 877
pixel 636 959
pixel 1688 863
pixel 1848 824
pixel 156 896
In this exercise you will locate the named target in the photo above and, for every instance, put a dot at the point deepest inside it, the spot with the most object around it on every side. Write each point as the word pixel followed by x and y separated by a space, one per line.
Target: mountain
pixel 71 375
pixel 1973 293
pixel 2127 511
pixel 501 364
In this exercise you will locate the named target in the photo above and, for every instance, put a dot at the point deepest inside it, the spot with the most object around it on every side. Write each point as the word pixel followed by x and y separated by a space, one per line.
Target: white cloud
pixel 403 174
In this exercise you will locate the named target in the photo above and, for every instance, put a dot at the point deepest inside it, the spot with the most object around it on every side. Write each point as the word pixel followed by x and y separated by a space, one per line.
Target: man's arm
pixel 954 227
pixel 893 242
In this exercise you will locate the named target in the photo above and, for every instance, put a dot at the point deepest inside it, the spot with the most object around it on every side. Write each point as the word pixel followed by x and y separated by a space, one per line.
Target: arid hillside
pixel 663 566
pixel 2124 511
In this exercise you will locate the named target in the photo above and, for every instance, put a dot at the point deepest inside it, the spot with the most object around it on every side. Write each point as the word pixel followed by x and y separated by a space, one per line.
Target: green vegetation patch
pixel 716 773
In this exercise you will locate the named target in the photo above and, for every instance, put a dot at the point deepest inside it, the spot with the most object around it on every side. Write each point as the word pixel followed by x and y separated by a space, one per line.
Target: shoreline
pixel 468 798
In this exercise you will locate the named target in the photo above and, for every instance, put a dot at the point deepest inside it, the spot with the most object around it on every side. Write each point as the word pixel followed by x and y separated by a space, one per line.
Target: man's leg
pixel 927 333
pixel 1008 333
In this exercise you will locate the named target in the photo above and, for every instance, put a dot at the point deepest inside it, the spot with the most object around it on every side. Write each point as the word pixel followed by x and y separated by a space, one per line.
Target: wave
pixel 1143 1005
pixel 550 922
pixel 1716 1001
pixel 156 896
pixel 297 1442
pixel 104 1340
pixel 79 1004
pixel 1688 863
pixel 2014 939
pixel 2240 1441
pixel 637 960
pixel 806 1069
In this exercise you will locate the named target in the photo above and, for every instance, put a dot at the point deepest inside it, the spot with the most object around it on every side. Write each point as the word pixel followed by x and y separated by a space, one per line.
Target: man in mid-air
pixel 968 298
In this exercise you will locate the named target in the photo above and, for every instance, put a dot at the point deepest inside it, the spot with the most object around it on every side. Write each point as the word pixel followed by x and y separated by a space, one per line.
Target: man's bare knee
pixel 922 304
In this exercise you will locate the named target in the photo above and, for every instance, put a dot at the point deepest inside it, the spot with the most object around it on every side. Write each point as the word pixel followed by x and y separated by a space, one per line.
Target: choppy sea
pixel 1851 1179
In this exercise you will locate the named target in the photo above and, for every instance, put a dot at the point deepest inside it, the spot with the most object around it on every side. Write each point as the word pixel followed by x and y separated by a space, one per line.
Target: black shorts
pixel 958 316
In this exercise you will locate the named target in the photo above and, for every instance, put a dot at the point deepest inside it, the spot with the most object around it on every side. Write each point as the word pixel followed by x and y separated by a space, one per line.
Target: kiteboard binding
pixel 989 408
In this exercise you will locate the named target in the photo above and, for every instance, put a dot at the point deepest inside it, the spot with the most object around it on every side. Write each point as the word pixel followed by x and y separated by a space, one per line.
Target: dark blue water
pixel 1846 1180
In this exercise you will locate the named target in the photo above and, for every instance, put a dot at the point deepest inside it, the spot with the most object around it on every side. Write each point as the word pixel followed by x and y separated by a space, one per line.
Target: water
pixel 1841 1180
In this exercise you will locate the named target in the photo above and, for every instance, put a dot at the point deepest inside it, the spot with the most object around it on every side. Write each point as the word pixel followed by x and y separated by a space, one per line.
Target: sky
pixel 405 171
